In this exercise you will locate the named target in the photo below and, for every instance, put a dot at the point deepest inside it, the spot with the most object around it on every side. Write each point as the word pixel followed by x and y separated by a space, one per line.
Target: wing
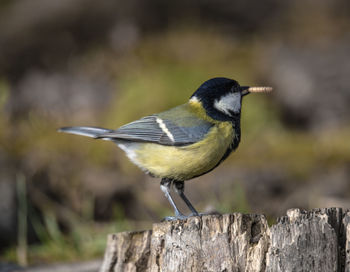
pixel 184 130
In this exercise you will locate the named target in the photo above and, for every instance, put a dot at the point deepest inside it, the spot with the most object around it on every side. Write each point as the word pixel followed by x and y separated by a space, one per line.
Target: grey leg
pixel 165 186
pixel 179 188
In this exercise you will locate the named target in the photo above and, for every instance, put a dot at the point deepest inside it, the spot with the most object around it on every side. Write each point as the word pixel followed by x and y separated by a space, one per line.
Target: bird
pixel 184 142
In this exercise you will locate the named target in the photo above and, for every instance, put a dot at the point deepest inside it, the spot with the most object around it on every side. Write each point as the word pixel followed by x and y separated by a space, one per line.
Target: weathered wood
pixel 210 243
pixel 346 240
pixel 127 251
pixel 305 241
pixel 318 240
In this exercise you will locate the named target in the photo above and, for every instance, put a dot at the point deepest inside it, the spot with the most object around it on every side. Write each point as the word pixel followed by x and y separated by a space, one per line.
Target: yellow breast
pixel 186 162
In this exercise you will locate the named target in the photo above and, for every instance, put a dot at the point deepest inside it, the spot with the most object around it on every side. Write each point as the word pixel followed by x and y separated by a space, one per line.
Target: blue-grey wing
pixel 154 129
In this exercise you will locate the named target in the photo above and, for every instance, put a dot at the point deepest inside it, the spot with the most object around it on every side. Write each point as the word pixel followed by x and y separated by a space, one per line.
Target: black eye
pixel 235 89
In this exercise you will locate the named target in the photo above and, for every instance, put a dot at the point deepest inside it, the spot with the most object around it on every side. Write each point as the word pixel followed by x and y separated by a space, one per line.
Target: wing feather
pixel 161 131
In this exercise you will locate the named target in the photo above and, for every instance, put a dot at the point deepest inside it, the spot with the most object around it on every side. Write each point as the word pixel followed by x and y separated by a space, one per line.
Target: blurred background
pixel 106 63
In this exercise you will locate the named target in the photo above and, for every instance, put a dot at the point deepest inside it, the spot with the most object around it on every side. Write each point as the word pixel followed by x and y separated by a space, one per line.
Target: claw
pixel 179 217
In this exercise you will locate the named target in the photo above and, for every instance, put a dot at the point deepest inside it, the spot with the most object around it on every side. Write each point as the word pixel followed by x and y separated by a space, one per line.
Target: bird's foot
pixel 180 217
pixel 194 214
pixel 172 218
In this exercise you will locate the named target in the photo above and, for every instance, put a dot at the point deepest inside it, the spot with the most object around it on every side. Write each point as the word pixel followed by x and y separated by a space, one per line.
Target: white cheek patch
pixel 229 103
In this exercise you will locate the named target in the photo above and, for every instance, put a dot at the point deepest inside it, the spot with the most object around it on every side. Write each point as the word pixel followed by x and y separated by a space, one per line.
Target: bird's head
pixel 222 97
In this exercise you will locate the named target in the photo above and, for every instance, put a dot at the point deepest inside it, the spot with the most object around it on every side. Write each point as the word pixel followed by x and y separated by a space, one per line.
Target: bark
pixel 318 240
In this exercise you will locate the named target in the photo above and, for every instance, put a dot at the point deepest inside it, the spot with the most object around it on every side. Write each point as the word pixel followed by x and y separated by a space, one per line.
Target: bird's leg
pixel 165 186
pixel 179 188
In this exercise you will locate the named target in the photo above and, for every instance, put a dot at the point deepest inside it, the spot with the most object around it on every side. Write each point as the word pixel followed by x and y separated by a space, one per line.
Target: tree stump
pixel 318 240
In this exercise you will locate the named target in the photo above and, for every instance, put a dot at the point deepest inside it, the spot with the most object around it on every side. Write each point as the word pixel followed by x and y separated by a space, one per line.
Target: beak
pixel 247 90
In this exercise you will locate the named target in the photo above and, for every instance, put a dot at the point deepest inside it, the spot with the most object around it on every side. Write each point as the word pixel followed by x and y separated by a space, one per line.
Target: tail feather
pixel 93 132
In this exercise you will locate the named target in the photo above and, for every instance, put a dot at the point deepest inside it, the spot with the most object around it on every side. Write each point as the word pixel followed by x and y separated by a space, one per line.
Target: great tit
pixel 186 141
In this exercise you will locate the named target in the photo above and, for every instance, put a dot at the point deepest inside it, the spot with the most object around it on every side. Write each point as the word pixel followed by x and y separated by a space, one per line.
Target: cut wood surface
pixel 317 240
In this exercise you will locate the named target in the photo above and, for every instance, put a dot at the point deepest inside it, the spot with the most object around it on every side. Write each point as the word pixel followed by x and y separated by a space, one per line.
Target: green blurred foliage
pixel 163 75
pixel 160 72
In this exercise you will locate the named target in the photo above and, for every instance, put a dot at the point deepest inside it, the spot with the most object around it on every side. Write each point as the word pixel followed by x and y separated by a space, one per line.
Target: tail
pixel 93 132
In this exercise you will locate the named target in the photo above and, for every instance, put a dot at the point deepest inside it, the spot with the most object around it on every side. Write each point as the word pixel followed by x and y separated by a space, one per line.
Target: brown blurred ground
pixel 110 62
